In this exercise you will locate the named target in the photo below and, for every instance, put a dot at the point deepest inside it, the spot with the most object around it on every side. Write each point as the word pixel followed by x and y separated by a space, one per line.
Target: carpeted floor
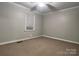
pixel 40 47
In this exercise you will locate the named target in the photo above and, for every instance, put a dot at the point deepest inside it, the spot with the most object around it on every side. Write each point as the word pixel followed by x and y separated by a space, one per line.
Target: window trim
pixel 26 18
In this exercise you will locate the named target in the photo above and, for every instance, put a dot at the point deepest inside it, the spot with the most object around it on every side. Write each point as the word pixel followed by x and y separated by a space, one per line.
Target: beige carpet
pixel 40 47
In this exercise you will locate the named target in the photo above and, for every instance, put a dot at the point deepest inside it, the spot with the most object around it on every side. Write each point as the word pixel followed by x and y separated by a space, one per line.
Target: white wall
pixel 12 23
pixel 62 24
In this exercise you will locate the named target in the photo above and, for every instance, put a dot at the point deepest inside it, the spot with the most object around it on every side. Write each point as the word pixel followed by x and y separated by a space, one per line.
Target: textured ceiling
pixel 57 5
pixel 64 5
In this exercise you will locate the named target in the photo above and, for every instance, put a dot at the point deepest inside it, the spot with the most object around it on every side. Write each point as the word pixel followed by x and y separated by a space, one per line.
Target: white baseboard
pixel 3 43
pixel 61 39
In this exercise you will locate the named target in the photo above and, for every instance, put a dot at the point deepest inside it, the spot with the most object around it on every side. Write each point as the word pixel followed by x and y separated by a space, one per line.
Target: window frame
pixel 26 18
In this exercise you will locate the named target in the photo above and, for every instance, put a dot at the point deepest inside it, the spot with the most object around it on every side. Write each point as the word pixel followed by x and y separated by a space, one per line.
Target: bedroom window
pixel 29 22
